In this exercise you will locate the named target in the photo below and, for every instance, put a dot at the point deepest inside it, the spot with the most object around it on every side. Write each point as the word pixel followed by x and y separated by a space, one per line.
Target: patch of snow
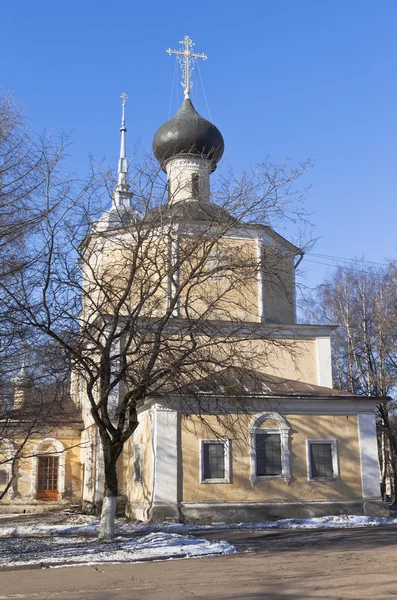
pixel 55 551
pixel 60 524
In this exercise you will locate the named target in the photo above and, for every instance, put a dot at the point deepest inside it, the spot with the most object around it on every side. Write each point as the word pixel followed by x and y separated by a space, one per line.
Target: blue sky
pixel 290 78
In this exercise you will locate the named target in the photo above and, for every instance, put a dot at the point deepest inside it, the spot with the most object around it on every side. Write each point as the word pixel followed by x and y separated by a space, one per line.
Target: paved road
pixel 278 565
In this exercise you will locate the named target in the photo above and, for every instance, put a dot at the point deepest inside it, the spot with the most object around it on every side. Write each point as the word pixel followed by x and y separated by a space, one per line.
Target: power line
pixel 334 259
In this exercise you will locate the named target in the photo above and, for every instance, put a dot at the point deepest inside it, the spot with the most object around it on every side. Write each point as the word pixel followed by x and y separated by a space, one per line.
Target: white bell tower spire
pixel 122 196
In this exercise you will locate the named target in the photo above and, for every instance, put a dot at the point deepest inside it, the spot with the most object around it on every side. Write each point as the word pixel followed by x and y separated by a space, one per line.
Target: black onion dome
pixel 188 133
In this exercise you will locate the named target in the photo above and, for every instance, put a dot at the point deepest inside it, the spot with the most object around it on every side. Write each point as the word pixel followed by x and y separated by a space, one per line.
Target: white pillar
pixel 99 471
pixel 260 279
pixel 324 363
pixel 370 473
pixel 165 456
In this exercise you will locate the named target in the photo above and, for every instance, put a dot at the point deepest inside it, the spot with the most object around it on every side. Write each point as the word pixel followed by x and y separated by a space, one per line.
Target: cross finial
pixel 186 58
pixel 124 99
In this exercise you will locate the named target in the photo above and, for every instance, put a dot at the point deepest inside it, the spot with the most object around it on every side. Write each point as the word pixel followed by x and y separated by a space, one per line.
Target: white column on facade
pixel 324 363
pixel 173 280
pixel 260 279
pixel 114 395
pixel 165 456
pixel 370 472
pixel 99 471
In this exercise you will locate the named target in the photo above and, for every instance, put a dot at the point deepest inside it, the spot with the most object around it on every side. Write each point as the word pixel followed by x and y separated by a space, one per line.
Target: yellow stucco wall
pixel 290 358
pixel 302 427
pixel 231 294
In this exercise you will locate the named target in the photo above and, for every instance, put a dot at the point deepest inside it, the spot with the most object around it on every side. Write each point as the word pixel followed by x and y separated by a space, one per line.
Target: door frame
pixel 48 495
pixel 40 449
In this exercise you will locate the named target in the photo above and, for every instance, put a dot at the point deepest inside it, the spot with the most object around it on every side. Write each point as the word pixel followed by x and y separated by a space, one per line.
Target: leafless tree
pixel 33 183
pixel 157 295
pixel 362 301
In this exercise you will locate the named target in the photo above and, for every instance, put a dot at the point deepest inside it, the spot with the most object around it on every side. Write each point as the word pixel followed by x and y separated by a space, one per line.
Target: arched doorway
pixel 48 470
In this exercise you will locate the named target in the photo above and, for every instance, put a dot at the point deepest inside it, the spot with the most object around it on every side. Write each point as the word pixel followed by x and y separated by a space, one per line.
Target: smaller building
pixel 39 450
pixel 267 448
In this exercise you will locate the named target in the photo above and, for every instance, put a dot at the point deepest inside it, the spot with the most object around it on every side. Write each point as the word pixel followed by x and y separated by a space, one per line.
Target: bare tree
pixel 362 301
pixel 33 183
pixel 156 295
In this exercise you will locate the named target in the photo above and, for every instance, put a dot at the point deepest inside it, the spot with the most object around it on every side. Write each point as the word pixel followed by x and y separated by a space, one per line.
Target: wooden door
pixel 47 478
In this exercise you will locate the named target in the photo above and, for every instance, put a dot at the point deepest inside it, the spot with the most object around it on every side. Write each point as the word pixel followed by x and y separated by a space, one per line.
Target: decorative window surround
pixel 283 431
pixel 227 458
pixel 335 461
pixel 59 451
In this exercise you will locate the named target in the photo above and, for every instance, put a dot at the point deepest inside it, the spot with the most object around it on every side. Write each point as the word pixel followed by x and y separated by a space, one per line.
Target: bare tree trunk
pixel 106 529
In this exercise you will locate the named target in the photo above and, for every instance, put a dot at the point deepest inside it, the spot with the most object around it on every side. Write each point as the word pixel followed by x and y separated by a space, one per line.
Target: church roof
pixel 188 133
pixel 47 412
pixel 238 381
pixel 193 210
pixel 117 217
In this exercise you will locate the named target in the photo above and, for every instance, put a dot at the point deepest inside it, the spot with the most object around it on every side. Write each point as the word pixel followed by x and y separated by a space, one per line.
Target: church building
pixel 264 438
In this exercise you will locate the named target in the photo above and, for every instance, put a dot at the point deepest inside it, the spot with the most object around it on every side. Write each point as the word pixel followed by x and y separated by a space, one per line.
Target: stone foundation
pixel 233 512
pixel 246 512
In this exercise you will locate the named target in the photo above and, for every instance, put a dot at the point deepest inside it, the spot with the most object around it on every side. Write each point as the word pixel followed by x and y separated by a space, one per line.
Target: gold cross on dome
pixel 186 58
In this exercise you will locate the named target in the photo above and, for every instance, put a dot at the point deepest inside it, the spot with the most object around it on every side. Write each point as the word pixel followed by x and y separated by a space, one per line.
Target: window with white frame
pixel 215 461
pixel 137 464
pixel 322 459
pixel 269 451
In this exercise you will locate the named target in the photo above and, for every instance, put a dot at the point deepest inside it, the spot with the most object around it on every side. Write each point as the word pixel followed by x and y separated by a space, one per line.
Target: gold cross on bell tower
pixel 186 58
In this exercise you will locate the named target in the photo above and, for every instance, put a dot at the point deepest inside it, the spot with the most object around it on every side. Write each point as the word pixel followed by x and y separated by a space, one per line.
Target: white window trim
pixel 227 454
pixel 335 460
pixel 283 431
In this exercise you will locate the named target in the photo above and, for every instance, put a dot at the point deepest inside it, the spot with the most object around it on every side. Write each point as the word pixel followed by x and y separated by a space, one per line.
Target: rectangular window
pixel 3 477
pixel 215 461
pixel 322 458
pixel 137 464
pixel 195 185
pixel 268 454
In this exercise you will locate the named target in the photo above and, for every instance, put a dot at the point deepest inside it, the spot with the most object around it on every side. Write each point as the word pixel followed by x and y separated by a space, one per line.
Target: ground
pixel 279 564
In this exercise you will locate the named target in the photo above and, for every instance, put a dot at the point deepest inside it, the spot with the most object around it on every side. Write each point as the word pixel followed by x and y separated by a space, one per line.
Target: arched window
pixel 269 451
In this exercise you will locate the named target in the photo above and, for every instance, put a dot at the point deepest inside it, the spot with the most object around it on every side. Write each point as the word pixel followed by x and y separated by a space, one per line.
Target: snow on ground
pixel 55 551
pixel 54 539
pixel 62 524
